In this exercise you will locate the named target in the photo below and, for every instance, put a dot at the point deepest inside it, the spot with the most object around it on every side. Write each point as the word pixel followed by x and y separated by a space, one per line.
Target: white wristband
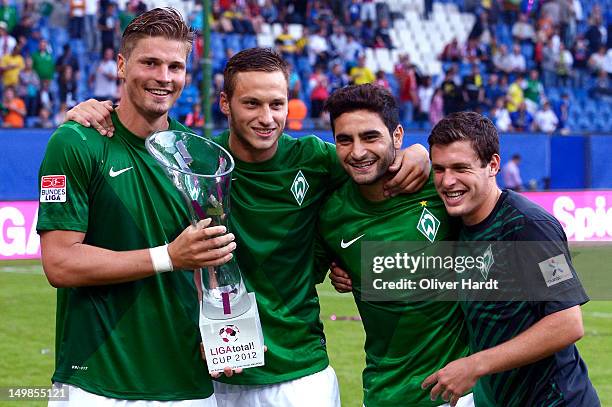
pixel 161 259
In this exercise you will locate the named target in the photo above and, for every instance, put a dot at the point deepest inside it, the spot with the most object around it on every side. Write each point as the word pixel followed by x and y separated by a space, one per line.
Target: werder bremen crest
pixel 428 224
pixel 299 187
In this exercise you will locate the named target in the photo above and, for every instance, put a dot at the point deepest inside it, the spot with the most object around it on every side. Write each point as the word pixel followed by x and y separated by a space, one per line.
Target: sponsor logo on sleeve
pixel 53 188
pixel 555 270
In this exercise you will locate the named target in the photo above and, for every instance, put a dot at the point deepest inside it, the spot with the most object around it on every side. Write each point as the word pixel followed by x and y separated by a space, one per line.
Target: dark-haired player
pixel 523 352
pixel 405 340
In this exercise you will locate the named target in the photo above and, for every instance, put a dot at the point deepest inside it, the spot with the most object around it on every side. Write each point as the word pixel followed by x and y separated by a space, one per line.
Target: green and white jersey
pixel 274 208
pixel 136 340
pixel 405 341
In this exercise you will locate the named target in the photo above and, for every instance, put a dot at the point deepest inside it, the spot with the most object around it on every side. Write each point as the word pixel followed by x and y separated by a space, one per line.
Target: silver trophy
pixel 229 322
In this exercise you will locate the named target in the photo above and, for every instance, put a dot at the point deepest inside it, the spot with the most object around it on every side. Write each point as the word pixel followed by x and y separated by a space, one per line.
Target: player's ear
pixel 494 165
pixel 224 104
pixel 398 137
pixel 121 66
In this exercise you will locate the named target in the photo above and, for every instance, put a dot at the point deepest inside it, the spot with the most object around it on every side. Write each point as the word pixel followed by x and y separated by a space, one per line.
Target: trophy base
pixel 235 342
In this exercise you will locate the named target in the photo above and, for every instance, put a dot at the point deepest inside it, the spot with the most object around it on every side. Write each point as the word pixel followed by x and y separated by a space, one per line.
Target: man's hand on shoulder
pixel 412 168
pixel 93 113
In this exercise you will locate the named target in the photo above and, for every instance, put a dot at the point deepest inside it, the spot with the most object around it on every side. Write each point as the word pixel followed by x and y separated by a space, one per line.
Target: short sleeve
pixel 64 181
pixel 545 261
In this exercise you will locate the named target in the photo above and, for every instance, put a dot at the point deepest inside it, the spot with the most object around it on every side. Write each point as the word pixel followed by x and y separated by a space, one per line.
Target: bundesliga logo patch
pixel 555 270
pixel 53 188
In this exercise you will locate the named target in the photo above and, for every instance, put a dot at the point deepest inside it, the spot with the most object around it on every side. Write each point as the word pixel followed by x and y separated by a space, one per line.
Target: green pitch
pixel 27 307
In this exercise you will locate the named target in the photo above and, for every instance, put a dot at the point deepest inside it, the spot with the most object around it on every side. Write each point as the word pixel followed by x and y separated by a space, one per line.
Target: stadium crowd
pixel 524 64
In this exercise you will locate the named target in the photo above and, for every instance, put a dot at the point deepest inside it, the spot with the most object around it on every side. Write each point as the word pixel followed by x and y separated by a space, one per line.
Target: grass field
pixel 27 307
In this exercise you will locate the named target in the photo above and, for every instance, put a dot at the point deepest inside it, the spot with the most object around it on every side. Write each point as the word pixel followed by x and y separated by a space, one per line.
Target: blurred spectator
pixel 500 115
pixel 285 41
pixel 500 59
pixel 188 98
pixel 602 87
pixel 104 78
pixel 43 61
pixel 451 52
pixel 67 58
pixel 302 43
pixel 108 24
pixel 337 78
pixel 92 8
pixel 521 119
pixel 522 30
pixel 512 175
pixel 13 109
pixel 368 10
pixel 451 93
pixel 564 63
pixel 60 116
pixel 425 94
pixel 195 118
pixel 545 119
pixel 516 95
pixel 219 118
pixel 319 92
pixel 68 87
pixel 473 89
pixel 269 12
pixel 534 91
pixel 43 120
pixel 7 42
pixel 354 11
pixel 607 62
pixel 481 31
pixel 295 83
pixel 382 32
pixel 10 66
pixel 562 111
pixel 352 50
pixel 493 91
pixel 297 112
pixel 581 56
pixel 549 66
pixel 361 74
pixel 596 34
pixel 516 61
pixel 45 97
pixel 596 60
pixel 405 74
pixel 8 15
pixel 338 41
pixel 28 87
pixel 240 23
pixel 436 108
pixel 472 52
pixel 76 23
pixel 381 80
pixel 318 49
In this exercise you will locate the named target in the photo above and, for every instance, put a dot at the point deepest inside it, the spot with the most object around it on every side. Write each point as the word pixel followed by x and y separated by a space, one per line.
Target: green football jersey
pixel 405 341
pixel 135 340
pixel 274 208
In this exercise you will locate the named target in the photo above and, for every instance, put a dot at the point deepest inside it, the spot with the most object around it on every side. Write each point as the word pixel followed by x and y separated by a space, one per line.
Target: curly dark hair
pixel 368 97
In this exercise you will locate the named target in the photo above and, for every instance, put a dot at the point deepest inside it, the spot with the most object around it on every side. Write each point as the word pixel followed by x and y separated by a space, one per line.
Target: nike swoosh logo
pixel 113 174
pixel 350 242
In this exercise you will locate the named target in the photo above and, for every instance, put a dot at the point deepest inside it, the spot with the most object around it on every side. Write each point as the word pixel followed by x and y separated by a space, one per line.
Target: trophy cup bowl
pixel 201 170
